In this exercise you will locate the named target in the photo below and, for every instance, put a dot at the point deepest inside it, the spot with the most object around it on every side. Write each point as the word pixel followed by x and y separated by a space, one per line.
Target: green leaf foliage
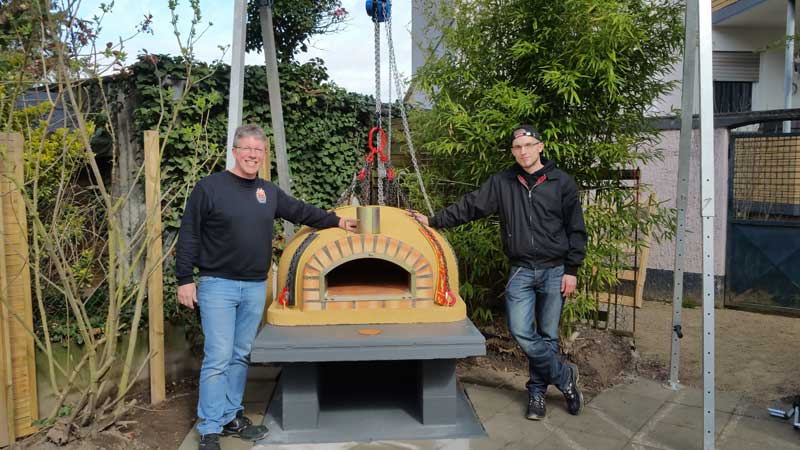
pixel 294 22
pixel 326 127
pixel 585 73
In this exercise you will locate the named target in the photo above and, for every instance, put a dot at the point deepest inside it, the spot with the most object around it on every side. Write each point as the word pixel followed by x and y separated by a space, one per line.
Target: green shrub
pixel 584 72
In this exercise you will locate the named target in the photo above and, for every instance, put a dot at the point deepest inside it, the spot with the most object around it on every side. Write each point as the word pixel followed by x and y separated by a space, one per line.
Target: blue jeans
pixel 230 312
pixel 533 307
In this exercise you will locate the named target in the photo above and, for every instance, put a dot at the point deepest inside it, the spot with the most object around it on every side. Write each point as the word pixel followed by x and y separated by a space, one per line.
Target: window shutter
pixel 736 66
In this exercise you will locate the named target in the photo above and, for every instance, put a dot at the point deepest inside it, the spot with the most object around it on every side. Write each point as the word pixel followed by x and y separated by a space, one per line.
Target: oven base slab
pixel 337 385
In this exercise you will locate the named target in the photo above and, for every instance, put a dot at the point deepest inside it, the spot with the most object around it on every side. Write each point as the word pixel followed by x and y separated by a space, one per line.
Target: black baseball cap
pixel 524 130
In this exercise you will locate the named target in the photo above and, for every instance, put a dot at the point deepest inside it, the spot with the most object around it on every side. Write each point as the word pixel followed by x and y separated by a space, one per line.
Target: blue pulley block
pixel 379 10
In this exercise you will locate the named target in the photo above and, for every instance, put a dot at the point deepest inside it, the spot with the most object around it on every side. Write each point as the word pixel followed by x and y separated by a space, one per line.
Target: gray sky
pixel 348 54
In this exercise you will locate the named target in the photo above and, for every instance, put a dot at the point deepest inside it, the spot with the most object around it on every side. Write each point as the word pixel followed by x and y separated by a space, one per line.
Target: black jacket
pixel 541 220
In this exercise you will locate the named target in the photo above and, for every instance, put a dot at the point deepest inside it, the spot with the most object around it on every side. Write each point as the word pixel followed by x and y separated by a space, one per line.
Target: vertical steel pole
pixel 788 63
pixel 236 93
pixel 682 189
pixel 707 211
pixel 275 105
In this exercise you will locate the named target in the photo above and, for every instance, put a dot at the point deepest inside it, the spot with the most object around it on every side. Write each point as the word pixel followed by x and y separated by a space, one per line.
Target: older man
pixel 226 232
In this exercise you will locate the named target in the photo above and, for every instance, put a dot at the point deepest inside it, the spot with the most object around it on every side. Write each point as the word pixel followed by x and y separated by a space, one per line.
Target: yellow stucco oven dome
pixel 393 270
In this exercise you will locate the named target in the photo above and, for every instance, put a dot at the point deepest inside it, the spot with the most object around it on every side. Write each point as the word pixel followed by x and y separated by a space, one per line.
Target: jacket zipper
pixel 530 223
pixel 541 180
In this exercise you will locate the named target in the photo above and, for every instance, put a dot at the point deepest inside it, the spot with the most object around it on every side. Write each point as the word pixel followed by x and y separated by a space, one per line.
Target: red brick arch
pixel 357 246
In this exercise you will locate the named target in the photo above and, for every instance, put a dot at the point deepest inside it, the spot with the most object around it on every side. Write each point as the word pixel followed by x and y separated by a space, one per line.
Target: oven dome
pixel 394 270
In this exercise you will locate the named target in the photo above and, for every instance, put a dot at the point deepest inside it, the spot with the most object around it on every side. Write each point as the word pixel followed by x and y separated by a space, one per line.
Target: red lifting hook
pixel 378 150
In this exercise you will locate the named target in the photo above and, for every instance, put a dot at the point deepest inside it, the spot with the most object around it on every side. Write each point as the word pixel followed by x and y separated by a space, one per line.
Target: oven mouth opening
pixel 368 279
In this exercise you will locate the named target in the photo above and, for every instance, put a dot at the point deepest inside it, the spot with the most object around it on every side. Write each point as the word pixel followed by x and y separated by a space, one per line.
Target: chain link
pixel 344 199
pixel 389 102
pixel 392 188
pixel 366 190
pixel 394 73
pixel 377 42
pixel 378 119
pixel 388 149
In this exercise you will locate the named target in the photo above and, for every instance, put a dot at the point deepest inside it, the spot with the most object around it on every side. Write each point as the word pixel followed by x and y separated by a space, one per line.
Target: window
pixel 734 75
pixel 733 96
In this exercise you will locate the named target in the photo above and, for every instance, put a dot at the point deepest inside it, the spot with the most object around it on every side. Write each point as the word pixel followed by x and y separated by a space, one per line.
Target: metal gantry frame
pixel 236 94
pixel 698 14
pixel 707 212
pixel 698 39
pixel 275 105
pixel 682 189
pixel 236 89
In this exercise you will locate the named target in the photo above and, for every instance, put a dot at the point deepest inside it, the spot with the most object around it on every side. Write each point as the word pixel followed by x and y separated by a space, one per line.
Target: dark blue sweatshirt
pixel 226 229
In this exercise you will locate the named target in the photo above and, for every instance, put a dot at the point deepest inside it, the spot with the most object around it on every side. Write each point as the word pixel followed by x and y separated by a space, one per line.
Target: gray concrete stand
pixel 337 385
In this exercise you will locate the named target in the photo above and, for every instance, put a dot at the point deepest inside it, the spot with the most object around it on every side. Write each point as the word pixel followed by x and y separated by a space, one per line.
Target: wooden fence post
pixel 7 391
pixel 18 353
pixel 155 279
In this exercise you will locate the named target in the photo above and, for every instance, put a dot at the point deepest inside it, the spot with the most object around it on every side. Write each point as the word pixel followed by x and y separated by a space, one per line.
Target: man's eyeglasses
pixel 528 146
pixel 256 151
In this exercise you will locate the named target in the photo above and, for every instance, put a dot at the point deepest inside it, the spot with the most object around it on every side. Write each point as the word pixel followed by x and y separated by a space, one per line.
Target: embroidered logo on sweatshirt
pixel 261 196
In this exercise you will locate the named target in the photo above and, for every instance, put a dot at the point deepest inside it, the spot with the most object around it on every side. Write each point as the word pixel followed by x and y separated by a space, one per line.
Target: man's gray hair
pixel 248 130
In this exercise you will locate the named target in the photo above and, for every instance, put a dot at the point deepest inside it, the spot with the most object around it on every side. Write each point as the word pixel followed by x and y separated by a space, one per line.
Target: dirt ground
pixel 161 427
pixel 165 426
pixel 603 359
pixel 756 354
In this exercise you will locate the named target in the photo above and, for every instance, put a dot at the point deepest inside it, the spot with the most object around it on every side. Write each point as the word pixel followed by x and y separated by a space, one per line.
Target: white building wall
pixel 661 176
pixel 767 92
pixel 423 39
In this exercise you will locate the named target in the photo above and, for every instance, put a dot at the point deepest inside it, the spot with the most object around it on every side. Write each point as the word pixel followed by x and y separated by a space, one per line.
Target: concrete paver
pixel 769 432
pixel 641 415
pixel 645 388
pixel 633 446
pixel 724 401
pixel 672 437
pixel 688 416
pixel 625 410
pixel 488 443
pixel 594 422
pixel 492 401
pixel 576 441
pixel 506 427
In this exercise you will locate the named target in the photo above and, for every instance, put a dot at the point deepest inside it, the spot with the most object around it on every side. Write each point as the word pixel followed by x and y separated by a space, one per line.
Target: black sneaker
pixel 536 408
pixel 209 442
pixel 243 428
pixel 572 393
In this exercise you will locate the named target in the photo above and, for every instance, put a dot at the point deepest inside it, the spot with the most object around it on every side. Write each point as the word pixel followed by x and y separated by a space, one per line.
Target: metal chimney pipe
pixel 369 219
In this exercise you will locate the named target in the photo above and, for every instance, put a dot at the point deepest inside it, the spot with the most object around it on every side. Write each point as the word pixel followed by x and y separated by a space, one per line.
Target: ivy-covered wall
pixel 326 131
pixel 326 126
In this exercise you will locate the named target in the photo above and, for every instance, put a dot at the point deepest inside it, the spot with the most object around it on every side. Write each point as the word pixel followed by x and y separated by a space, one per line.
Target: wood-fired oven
pixel 393 270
